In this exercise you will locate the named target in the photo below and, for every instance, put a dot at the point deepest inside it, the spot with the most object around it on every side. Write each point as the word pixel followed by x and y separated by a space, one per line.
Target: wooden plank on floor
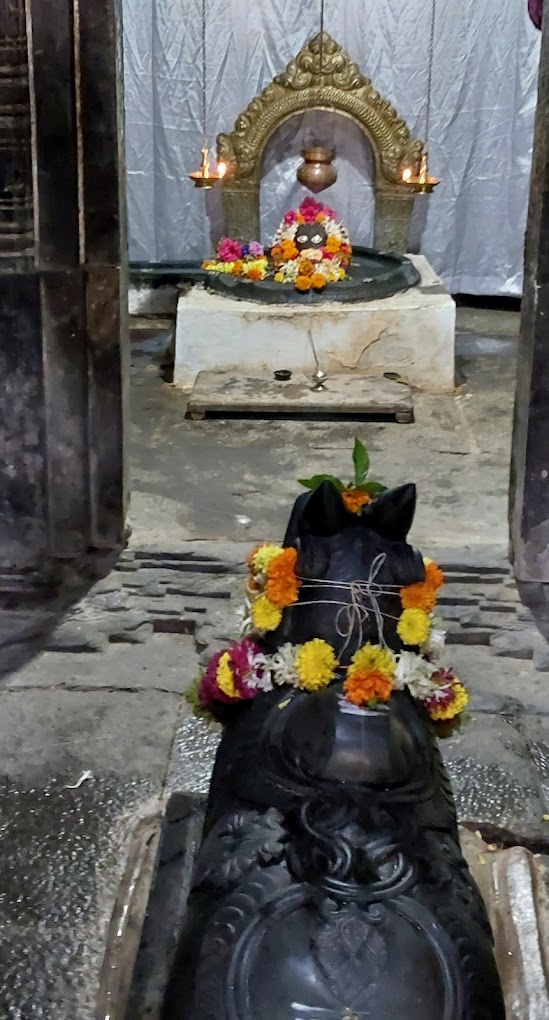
pixel 227 392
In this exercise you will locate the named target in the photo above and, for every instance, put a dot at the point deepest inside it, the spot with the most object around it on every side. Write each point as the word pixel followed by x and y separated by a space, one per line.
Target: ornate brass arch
pixel 339 86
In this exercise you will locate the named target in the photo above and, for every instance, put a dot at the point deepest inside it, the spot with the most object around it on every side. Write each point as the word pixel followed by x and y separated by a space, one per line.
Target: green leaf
pixel 361 462
pixel 316 480
pixel 372 488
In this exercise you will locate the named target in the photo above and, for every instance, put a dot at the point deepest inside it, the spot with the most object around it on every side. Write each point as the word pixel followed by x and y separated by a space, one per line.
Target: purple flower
pixel 255 249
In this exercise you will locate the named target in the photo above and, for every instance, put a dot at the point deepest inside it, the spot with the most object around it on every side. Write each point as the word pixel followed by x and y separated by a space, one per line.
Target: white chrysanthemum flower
pixel 436 642
pixel 334 229
pixel 291 270
pixel 415 673
pixel 260 675
pixel 283 668
pixel 243 613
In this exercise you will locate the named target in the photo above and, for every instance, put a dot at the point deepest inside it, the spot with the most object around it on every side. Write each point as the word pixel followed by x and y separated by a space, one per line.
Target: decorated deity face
pixel 310 236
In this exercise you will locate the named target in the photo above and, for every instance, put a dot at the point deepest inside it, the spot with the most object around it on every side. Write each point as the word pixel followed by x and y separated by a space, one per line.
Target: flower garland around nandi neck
pixel 244 670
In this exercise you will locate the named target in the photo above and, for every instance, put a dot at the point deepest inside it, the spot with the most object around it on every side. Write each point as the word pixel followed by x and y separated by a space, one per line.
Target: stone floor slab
pixel 65 841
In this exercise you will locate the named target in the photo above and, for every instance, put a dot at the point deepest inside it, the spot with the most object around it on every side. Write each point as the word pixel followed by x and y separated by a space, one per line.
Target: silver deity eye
pixel 317 238
pixel 302 237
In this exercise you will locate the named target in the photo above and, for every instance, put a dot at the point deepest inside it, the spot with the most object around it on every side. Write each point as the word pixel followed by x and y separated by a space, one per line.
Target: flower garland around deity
pixel 247 261
pixel 326 256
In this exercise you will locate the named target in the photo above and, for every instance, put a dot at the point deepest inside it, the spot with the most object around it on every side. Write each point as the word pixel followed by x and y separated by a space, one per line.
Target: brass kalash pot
pixel 317 173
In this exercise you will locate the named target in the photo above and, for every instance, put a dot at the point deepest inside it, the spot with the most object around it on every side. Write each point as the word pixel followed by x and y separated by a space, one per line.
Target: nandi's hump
pixel 331 739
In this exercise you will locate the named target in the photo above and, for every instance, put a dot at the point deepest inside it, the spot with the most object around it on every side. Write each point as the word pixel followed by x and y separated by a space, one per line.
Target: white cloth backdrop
pixel 484 95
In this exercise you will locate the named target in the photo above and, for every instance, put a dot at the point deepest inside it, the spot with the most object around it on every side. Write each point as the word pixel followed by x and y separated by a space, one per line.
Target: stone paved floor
pixel 95 733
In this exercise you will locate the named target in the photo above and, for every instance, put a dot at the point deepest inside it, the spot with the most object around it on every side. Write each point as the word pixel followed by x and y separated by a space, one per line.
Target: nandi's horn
pixel 392 514
pixel 324 513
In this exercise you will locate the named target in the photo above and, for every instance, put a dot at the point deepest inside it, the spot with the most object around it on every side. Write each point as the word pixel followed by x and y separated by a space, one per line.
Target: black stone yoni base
pixel 330 884
pixel 371 276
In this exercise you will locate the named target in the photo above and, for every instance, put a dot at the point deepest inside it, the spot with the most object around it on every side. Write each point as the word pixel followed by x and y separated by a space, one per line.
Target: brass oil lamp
pixel 203 177
pixel 421 183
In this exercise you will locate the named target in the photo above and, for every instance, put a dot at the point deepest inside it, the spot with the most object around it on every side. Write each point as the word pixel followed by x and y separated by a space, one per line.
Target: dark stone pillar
pixel 529 493
pixel 63 289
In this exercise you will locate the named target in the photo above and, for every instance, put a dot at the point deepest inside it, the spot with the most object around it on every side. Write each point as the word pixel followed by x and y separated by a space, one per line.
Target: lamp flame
pixel 406 174
pixel 221 169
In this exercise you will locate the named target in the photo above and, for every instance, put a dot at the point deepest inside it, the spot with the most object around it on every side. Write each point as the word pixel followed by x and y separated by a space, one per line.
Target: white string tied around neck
pixel 363 603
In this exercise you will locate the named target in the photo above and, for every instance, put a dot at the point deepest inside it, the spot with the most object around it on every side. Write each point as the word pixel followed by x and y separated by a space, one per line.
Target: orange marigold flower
pixel 289 250
pixel 282 584
pixel 237 268
pixel 254 273
pixel 372 685
pixel 354 499
pixel 333 245
pixel 433 575
pixel 276 252
pixel 418 596
pixel 320 218
pixel 318 281
pixel 303 283
pixel 306 268
pixel 300 218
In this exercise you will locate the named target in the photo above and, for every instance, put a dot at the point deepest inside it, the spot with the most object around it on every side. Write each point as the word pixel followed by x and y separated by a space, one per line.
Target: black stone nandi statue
pixel 330 884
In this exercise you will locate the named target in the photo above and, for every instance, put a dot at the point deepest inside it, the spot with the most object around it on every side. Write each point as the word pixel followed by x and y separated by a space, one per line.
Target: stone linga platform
pixel 410 333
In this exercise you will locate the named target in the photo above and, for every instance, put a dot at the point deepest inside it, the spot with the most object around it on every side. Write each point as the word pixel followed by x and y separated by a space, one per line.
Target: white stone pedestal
pixel 411 333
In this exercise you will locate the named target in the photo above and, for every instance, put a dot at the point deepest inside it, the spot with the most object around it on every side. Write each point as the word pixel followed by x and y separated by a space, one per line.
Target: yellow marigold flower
pixel 446 712
pixel 225 678
pixel 354 499
pixel 372 658
pixel 279 277
pixel 414 627
pixel 263 556
pixel 316 664
pixel 265 616
pixel 418 596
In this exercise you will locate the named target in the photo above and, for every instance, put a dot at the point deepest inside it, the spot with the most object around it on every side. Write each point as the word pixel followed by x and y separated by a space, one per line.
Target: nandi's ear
pixel 392 513
pixel 324 513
